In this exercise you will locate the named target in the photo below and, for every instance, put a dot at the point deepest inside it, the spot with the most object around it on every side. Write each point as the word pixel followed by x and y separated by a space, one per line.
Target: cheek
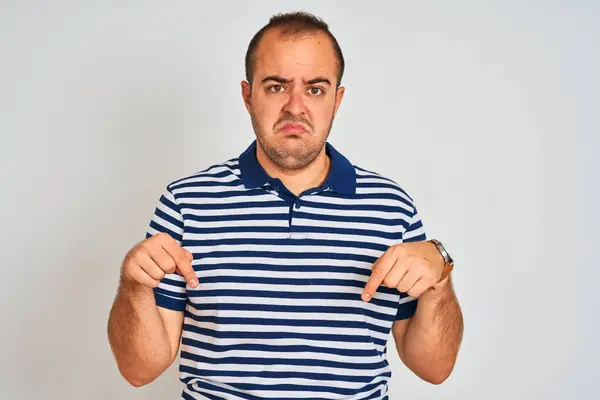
pixel 322 114
pixel 267 112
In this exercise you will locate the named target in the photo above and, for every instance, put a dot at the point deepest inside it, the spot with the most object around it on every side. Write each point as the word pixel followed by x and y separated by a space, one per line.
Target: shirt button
pixel 297 205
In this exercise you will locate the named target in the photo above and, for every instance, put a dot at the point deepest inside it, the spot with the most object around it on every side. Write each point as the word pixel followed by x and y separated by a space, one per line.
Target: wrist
pixel 134 288
pixel 443 282
pixel 438 257
pixel 440 289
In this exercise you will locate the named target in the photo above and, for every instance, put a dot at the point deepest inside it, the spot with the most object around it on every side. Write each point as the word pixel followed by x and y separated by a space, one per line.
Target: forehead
pixel 302 56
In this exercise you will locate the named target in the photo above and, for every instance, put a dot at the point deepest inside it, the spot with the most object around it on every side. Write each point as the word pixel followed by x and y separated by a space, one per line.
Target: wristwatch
pixel 448 260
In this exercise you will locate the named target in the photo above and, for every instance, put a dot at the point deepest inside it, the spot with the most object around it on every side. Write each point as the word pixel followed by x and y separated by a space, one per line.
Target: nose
pixel 295 103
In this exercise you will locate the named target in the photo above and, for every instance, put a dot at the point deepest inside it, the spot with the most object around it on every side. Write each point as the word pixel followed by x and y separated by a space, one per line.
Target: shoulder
pixel 374 184
pixel 216 177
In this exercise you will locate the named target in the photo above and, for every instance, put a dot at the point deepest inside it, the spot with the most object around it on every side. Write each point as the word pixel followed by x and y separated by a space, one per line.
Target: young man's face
pixel 293 99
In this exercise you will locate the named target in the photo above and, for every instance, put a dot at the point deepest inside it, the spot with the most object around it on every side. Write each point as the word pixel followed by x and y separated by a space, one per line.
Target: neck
pixel 297 181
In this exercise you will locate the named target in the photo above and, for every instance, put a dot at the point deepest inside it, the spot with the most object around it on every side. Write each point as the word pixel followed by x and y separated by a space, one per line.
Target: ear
pixel 339 95
pixel 246 94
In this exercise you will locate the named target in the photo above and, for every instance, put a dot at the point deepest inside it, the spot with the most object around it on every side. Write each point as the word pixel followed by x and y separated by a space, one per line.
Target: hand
pixel 150 260
pixel 411 268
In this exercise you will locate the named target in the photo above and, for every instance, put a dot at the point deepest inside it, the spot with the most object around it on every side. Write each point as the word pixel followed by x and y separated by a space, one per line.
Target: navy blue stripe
pixel 287 375
pixel 279 268
pixel 413 227
pixel 279 349
pixel 303 388
pixel 283 281
pixel 169 218
pixel 240 217
pixel 357 207
pixel 406 310
pixel 286 322
pixel 230 206
pixel 286 241
pixel 213 183
pixel 164 200
pixel 311 362
pixel 347 218
pixel 173 282
pixel 160 228
pixel 348 231
pixel 317 337
pixel 168 302
pixel 290 309
pixel 246 229
pixel 176 295
pixel 222 195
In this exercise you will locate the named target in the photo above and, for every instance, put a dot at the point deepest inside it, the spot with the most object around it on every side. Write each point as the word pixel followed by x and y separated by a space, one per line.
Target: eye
pixel 275 88
pixel 315 91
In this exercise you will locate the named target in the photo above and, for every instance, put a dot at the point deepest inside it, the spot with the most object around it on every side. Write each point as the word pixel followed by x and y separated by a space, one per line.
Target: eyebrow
pixel 280 79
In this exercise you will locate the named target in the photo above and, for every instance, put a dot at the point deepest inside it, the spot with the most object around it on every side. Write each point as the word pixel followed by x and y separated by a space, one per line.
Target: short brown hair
pixel 290 25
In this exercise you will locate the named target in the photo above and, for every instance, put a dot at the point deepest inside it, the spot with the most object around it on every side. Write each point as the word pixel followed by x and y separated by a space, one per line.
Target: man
pixel 283 271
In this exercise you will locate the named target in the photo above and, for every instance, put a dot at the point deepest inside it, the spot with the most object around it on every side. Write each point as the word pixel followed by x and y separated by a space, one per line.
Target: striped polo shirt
pixel 278 312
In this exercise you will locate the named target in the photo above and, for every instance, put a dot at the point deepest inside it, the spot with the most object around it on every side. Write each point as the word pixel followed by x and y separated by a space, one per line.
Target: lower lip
pixel 293 129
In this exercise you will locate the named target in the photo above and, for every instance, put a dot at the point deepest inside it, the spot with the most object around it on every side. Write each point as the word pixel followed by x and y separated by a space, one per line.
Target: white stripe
pixel 349 203
pixel 283 261
pixel 276 367
pixel 297 316
pixel 356 213
pixel 242 211
pixel 208 177
pixel 285 249
pixel 301 275
pixel 282 328
pixel 166 224
pixel 297 355
pixel 277 342
pixel 285 235
pixel 235 199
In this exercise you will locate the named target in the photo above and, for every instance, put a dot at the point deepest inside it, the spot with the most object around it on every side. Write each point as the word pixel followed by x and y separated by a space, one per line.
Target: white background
pixel 485 111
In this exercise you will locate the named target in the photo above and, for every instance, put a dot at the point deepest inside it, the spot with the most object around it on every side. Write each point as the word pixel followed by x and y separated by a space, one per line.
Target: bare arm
pixel 428 343
pixel 144 337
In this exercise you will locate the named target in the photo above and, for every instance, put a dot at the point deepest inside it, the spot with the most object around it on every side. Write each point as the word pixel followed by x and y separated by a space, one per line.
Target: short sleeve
pixel 171 291
pixel 415 232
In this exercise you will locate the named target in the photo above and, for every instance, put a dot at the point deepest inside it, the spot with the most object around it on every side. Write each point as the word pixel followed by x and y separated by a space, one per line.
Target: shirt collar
pixel 341 178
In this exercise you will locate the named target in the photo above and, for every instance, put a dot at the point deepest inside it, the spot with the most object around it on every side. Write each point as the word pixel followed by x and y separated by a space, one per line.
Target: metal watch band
pixel 443 252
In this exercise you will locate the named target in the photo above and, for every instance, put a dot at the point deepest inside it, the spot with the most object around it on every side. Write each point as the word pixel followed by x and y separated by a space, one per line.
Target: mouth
pixel 293 128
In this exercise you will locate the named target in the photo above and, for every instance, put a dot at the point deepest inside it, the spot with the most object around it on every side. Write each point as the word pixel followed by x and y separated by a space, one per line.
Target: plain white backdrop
pixel 485 111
